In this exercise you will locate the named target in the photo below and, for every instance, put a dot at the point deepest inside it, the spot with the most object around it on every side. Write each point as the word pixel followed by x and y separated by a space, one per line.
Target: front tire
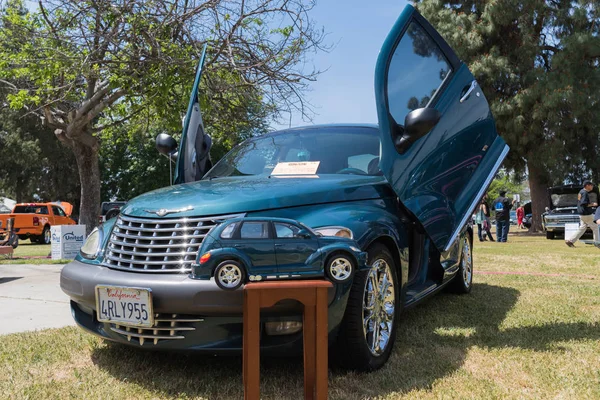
pixel 340 268
pixel 550 235
pixel 368 330
pixel 463 280
pixel 229 275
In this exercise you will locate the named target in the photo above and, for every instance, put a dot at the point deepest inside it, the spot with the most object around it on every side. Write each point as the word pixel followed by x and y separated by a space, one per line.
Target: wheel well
pixel 233 258
pixel 392 247
pixel 344 252
pixel 470 230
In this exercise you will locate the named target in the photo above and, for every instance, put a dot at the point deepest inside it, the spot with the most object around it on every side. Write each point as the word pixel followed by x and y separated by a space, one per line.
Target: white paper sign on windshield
pixel 296 168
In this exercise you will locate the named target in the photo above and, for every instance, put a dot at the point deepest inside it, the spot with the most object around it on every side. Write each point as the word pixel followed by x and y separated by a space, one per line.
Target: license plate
pixel 124 306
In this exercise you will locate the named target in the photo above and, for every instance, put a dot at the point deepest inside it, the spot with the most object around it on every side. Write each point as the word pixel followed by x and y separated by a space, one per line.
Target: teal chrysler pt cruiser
pixel 403 190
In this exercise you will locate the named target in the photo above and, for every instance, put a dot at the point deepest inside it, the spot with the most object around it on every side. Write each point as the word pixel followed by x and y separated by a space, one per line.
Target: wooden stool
pixel 313 294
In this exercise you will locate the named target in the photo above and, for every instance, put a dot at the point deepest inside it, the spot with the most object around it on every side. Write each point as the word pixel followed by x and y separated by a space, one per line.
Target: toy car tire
pixel 229 275
pixel 340 268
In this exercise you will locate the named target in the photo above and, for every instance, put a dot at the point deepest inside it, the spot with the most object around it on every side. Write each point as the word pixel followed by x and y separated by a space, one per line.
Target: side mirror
pixel 417 124
pixel 304 234
pixel 547 209
pixel 165 144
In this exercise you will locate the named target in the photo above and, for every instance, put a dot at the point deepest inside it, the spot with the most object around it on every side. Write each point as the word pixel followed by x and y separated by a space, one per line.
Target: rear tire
pixel 463 280
pixel 550 235
pixel 46 237
pixel 357 347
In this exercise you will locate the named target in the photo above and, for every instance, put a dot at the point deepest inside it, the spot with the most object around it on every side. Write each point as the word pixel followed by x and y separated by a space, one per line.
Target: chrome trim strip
pixel 138 335
pixel 139 254
pixel 142 262
pixel 143 229
pixel 154 246
pixel 128 236
pixel 178 320
pixel 176 270
pixel 477 199
pixel 154 220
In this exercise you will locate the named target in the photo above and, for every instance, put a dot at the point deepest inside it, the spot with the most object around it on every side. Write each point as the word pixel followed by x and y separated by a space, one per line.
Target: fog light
pixel 282 328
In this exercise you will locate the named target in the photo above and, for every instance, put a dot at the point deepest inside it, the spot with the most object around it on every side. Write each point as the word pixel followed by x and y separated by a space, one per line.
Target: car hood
pixel 229 195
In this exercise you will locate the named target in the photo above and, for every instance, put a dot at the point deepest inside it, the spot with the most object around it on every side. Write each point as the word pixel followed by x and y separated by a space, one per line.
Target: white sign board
pixel 296 168
pixel 66 241
pixel 570 230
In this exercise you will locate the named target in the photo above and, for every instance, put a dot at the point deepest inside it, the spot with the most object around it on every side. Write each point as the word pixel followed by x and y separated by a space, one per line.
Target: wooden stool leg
pixel 321 344
pixel 251 355
pixel 308 325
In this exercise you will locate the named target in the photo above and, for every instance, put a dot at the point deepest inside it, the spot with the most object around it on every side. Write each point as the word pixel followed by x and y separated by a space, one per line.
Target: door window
pixel 254 230
pixel 58 211
pixel 286 230
pixel 417 70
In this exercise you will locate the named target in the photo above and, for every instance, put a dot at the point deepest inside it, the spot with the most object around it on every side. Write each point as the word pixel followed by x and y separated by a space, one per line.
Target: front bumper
pixel 214 314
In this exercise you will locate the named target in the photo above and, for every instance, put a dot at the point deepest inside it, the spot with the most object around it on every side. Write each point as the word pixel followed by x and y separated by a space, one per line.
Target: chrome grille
pixel 563 219
pixel 166 327
pixel 157 245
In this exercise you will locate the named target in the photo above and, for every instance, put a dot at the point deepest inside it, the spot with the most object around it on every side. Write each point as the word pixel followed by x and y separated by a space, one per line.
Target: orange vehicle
pixel 33 220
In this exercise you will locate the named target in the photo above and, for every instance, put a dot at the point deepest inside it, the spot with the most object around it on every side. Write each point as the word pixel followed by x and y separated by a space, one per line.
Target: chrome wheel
pixel 467 263
pixel 340 269
pixel 230 276
pixel 379 305
pixel 47 236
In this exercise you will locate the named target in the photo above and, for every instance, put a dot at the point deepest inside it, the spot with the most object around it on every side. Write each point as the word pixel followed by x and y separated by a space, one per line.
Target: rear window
pixel 31 210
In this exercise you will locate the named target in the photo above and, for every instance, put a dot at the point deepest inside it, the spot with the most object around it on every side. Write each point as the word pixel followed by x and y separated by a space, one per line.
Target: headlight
pixel 338 231
pixel 91 247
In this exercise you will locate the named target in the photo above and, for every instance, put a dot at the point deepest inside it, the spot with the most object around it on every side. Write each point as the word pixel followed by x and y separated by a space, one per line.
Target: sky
pixel 344 92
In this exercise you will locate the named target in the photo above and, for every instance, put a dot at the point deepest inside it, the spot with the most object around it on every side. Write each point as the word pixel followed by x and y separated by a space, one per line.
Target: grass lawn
pixel 28 249
pixel 515 336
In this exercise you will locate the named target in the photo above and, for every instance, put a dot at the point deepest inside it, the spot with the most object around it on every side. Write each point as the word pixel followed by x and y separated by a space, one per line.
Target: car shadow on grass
pixel 433 342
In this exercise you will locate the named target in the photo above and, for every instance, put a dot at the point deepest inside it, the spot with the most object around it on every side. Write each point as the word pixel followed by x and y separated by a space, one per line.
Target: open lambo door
pixel 193 159
pixel 439 145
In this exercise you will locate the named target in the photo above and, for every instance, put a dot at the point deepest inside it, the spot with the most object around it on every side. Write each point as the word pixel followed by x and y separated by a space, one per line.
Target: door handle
pixel 468 92
pixel 278 245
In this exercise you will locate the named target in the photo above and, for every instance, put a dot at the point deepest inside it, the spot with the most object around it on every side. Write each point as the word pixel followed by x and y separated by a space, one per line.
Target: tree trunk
pixel 89 176
pixel 19 190
pixel 538 184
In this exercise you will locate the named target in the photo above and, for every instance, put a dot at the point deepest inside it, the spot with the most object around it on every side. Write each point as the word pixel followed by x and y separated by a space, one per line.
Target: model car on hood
pixel 403 190
pixel 253 249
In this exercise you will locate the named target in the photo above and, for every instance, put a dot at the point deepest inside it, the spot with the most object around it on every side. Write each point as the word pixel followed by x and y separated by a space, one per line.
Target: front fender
pixel 205 271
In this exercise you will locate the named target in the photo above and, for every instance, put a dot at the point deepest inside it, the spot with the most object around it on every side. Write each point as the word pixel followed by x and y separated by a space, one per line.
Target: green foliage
pixel 87 67
pixel 33 165
pixel 504 181
pixel 538 64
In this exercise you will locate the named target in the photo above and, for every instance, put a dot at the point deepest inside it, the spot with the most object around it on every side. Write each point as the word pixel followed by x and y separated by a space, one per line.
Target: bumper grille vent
pixel 157 245
pixel 166 327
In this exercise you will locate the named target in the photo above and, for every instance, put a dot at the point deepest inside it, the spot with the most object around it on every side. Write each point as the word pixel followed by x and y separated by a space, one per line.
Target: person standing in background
pixel 486 224
pixel 520 216
pixel 586 217
pixel 502 207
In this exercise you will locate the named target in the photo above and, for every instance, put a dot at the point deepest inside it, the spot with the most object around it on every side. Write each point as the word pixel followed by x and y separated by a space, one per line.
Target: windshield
pixel 339 150
pixel 570 199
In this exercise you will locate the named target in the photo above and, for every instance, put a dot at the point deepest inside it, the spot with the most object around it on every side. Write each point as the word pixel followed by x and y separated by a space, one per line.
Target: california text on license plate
pixel 124 305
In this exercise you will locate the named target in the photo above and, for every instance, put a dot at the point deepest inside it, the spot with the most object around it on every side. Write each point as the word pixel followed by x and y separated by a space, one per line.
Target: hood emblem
pixel 163 211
